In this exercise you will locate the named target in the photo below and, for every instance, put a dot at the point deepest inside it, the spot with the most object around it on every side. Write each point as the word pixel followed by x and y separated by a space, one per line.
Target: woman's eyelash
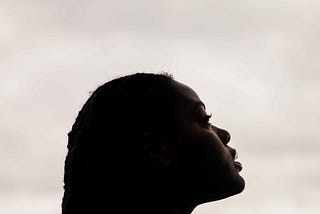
pixel 207 117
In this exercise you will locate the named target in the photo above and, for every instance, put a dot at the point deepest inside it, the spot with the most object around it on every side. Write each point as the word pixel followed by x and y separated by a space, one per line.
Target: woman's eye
pixel 206 119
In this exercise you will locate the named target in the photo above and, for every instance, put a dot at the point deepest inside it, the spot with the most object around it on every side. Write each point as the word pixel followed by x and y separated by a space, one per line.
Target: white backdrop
pixel 254 63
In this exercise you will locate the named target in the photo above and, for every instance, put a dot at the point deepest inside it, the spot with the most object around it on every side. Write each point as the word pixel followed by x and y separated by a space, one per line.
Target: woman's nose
pixel 224 135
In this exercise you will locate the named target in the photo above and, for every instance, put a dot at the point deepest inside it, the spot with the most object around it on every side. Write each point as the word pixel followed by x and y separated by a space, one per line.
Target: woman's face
pixel 208 163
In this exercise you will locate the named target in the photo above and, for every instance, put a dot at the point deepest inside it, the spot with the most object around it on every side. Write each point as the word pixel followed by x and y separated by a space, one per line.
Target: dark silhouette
pixel 143 143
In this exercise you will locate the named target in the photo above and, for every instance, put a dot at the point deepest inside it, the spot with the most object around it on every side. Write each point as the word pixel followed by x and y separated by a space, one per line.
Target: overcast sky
pixel 254 63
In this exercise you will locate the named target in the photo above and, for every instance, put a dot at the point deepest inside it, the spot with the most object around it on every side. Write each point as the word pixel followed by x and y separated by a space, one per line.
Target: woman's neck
pixel 171 207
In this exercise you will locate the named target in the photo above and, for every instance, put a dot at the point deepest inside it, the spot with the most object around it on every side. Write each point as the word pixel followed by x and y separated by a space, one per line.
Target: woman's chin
pixel 235 187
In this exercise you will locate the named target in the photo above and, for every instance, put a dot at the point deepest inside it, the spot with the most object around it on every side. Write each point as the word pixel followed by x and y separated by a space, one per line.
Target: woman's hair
pixel 105 145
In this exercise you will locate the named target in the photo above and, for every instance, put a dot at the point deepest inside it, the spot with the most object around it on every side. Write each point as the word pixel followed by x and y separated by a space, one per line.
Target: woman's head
pixel 147 136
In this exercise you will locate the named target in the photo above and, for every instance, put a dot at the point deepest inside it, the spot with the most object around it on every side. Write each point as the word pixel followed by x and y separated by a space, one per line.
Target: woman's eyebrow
pixel 199 103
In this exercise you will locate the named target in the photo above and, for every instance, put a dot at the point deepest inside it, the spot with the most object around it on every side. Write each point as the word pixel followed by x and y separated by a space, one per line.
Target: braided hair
pixel 106 137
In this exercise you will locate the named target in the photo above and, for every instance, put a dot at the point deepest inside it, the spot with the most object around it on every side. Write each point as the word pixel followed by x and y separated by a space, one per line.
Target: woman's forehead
pixel 186 92
pixel 187 99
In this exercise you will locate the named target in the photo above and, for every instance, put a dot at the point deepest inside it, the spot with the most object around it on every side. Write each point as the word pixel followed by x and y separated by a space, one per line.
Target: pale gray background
pixel 254 63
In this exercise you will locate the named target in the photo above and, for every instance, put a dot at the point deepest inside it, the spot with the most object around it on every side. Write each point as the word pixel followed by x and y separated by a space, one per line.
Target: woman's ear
pixel 159 149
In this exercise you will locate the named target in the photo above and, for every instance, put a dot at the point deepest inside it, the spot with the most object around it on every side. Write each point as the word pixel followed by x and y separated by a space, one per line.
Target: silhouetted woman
pixel 143 143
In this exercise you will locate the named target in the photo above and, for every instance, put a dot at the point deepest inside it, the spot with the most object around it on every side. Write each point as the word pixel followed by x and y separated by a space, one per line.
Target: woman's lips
pixel 238 165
